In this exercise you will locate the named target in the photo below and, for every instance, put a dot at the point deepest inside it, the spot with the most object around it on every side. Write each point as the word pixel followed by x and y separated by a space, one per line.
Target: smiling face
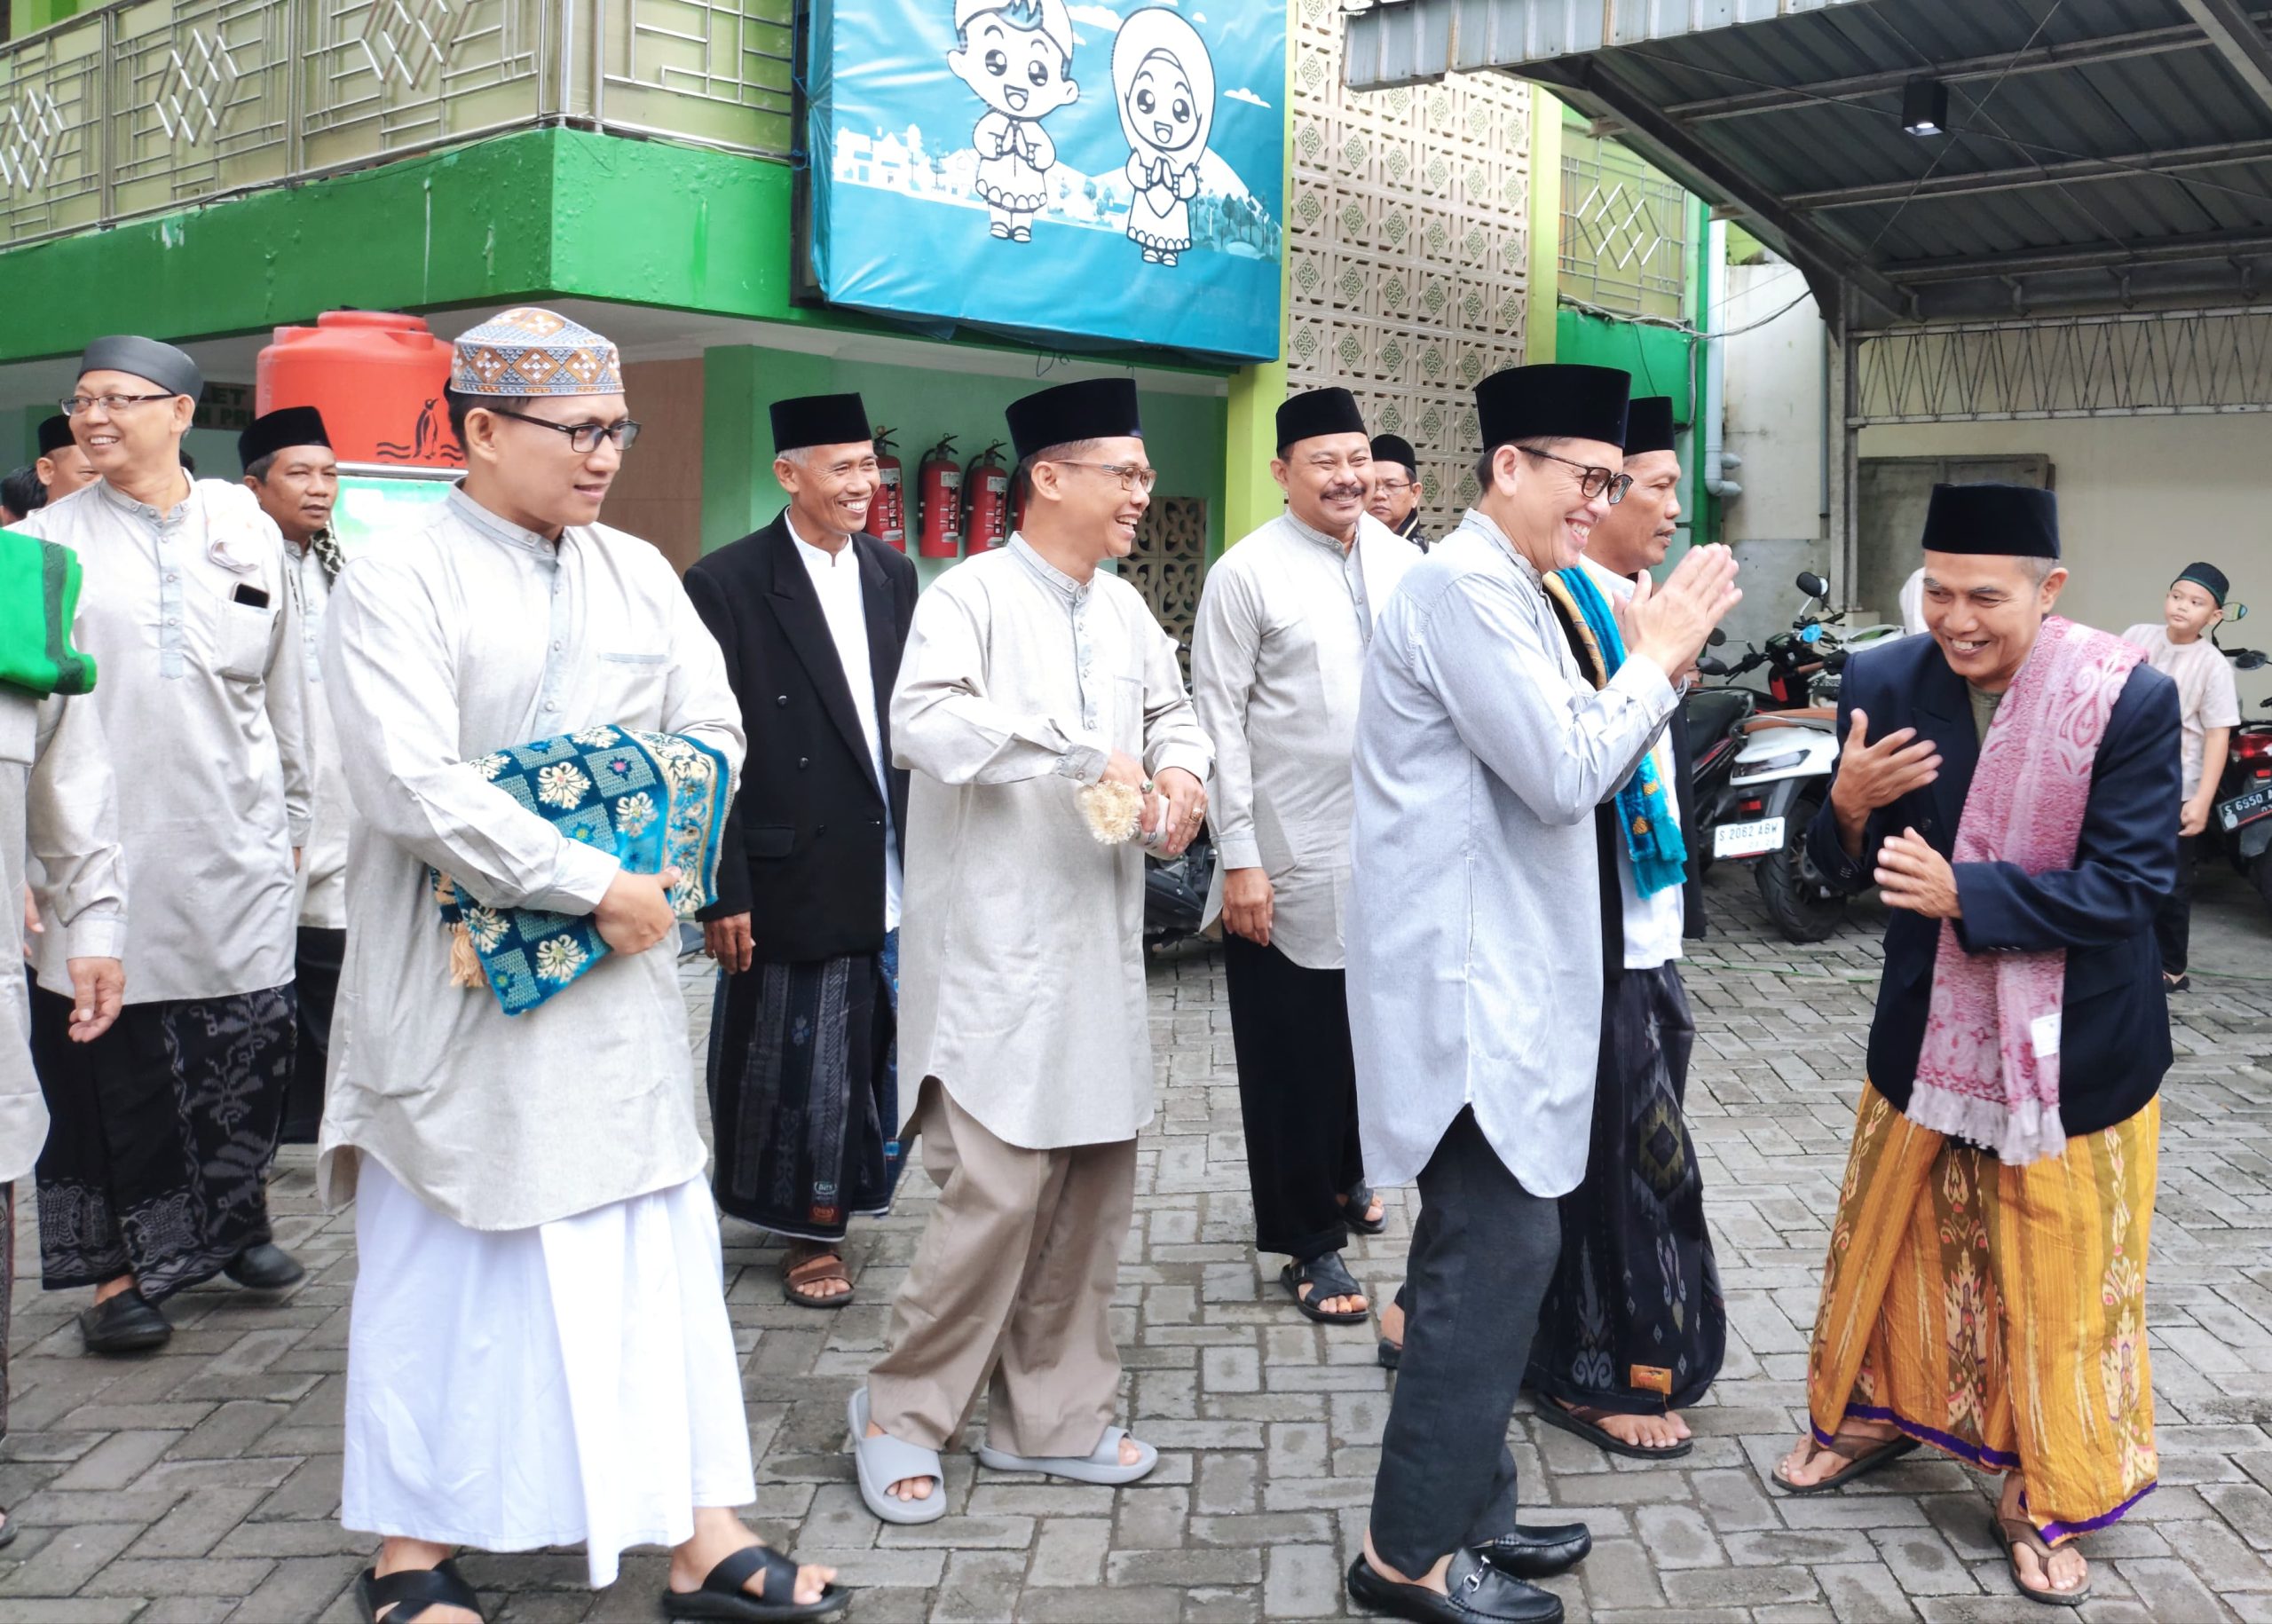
pixel 1541 503
pixel 534 476
pixel 1087 505
pixel 1986 610
pixel 830 487
pixel 63 470
pixel 1012 70
pixel 1162 109
pixel 1327 479
pixel 143 434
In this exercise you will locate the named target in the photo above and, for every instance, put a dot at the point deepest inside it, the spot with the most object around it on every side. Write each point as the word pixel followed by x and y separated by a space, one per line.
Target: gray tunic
pixel 444 645
pixel 1475 967
pixel 1021 959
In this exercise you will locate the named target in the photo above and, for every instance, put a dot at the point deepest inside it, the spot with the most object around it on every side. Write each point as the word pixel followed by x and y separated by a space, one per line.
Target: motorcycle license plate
pixel 1748 839
pixel 2246 809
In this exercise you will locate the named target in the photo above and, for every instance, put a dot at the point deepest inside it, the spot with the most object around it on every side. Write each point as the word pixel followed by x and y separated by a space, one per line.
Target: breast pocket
pixel 635 682
pixel 242 641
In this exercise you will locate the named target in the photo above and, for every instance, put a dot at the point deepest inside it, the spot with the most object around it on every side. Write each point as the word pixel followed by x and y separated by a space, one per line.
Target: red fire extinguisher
pixel 986 487
pixel 887 512
pixel 940 484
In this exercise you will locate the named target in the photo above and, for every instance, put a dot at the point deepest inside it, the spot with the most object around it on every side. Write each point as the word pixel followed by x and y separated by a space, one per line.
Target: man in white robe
pixel 538 1351
pixel 1029 672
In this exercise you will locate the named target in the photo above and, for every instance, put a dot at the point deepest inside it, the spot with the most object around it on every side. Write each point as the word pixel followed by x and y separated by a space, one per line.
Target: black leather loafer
pixel 1478 1594
pixel 1538 1553
pixel 265 1267
pixel 127 1323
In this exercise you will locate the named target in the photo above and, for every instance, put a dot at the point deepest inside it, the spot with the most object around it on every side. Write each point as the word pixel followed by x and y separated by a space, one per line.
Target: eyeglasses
pixel 1591 481
pixel 1132 476
pixel 1393 487
pixel 73 404
pixel 583 438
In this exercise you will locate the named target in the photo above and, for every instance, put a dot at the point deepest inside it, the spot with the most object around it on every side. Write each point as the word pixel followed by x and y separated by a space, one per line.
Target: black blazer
pixel 804 843
pixel 2114 1034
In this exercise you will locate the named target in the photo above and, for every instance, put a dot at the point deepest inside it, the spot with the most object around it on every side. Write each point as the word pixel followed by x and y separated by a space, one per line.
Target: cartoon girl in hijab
pixel 1017 56
pixel 1165 81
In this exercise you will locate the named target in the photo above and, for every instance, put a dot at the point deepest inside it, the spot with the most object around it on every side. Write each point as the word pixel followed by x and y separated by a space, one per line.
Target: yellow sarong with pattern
pixel 1997 1314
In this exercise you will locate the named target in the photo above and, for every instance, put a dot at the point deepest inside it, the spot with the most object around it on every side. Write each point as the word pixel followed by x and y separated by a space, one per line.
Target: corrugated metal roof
pixel 2101 151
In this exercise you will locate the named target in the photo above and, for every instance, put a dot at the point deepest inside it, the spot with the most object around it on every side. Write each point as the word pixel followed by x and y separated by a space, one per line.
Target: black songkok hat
pixel 54 433
pixel 1097 409
pixel 2005 521
pixel 2209 578
pixel 1318 412
pixel 1648 425
pixel 145 357
pixel 819 419
pixel 1394 448
pixel 271 431
pixel 1556 398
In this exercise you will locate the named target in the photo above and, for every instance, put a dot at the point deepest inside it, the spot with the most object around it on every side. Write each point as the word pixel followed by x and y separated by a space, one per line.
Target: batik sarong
pixel 1634 1321
pixel 804 1093
pixel 1997 1312
pixel 161 1132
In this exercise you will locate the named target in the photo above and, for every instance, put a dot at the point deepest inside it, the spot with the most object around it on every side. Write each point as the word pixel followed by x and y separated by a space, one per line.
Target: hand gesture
pixel 637 912
pixel 730 942
pixel 97 993
pixel 1872 776
pixel 1911 874
pixel 1668 624
pixel 1246 904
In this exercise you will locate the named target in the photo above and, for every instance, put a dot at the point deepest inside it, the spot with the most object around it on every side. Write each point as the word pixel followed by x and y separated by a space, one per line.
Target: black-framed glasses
pixel 73 404
pixel 583 438
pixel 1132 476
pixel 1592 481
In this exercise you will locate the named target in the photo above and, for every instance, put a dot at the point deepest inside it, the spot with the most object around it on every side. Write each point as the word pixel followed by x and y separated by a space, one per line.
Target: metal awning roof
pixel 2102 153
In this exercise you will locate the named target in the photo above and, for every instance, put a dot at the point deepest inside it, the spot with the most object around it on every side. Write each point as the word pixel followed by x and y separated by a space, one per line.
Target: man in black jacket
pixel 812 616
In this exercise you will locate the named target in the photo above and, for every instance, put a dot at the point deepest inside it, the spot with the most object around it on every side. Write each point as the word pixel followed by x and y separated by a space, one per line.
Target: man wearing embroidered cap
pixel 538 1350
pixel 62 467
pixel 289 469
pixel 1396 488
pixel 1031 672
pixel 1275 659
pixel 812 616
pixel 2002 1172
pixel 1474 1004
pixel 153 1178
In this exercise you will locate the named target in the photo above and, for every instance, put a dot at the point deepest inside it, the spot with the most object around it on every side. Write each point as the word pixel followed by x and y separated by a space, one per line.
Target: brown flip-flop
pixel 817 1270
pixel 1862 1454
pixel 2012 1532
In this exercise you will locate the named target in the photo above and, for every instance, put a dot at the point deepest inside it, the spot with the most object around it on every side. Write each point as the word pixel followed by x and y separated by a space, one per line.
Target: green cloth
pixel 39 592
pixel 1983 711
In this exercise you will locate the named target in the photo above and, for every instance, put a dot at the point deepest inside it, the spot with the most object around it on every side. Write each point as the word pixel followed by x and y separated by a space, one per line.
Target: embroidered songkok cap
pixel 2004 521
pixel 1394 448
pixel 1648 425
pixel 819 419
pixel 1556 398
pixel 271 431
pixel 1096 409
pixel 1316 412
pixel 529 351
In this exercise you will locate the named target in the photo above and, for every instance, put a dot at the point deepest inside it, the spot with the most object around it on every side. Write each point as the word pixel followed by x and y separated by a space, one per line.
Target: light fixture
pixel 1925 107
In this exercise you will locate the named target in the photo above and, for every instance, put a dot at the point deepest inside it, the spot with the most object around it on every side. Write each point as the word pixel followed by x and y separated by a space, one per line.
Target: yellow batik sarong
pixel 1998 1313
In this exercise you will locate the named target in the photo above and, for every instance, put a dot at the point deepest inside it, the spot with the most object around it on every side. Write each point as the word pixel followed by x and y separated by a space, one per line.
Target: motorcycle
pixel 2243 811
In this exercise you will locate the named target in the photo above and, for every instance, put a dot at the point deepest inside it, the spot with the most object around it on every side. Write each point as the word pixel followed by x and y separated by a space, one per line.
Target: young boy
pixel 2209 705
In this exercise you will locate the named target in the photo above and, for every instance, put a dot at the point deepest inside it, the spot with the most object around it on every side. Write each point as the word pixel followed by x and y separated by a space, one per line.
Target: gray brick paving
pixel 203 1484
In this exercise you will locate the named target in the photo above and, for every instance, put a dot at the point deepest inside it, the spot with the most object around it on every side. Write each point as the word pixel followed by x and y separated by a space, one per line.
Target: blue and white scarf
pixel 1652 837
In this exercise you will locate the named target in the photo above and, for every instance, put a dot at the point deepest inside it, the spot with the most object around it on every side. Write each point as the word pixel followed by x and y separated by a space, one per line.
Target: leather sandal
pixel 1862 1454
pixel 1585 1421
pixel 414 1591
pixel 723 1594
pixel 1358 1198
pixel 2012 1532
pixel 1326 1277
pixel 817 1270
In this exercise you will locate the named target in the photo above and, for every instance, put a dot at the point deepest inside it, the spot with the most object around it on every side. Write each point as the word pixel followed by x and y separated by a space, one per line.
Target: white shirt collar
pixel 1049 573
pixel 822 558
pixel 1618 587
pixel 1311 533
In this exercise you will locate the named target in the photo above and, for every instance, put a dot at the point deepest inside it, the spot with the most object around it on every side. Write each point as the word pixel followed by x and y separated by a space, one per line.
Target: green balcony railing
pixel 146 106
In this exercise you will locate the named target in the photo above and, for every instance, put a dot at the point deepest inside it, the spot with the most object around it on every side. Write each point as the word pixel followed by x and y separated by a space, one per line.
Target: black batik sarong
pixel 159 1138
pixel 804 1095
pixel 1634 1321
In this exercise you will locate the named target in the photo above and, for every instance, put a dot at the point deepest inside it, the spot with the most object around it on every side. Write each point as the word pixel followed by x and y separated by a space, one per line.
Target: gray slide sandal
pixel 1100 1465
pixel 882 1462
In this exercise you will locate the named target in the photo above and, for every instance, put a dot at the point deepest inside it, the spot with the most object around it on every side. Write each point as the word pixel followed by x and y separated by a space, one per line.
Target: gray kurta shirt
pixel 1475 971
pixel 59 800
pixel 444 645
pixel 204 701
pixel 1275 663
pixel 323 861
pixel 1021 941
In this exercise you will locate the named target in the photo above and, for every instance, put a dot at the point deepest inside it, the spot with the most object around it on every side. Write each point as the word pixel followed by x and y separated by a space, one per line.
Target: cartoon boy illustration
pixel 1017 58
pixel 1165 83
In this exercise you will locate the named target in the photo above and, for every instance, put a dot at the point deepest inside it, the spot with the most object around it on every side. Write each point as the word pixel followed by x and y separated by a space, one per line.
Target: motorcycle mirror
pixel 1814 585
pixel 2238 612
pixel 1715 639
pixel 1710 667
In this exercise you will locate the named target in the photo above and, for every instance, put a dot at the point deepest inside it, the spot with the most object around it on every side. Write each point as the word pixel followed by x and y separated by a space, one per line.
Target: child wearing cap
pixel 2209 707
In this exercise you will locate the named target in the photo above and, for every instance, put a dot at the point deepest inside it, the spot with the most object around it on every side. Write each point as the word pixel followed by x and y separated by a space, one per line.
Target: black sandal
pixel 411 1592
pixel 1861 1452
pixel 1585 1421
pixel 1359 1200
pixel 722 1595
pixel 1326 1277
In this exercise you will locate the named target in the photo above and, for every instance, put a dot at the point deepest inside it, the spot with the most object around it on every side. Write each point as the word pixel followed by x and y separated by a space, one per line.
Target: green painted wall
pixel 1659 359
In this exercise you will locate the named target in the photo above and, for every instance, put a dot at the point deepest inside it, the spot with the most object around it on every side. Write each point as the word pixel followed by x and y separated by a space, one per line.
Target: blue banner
pixel 1111 173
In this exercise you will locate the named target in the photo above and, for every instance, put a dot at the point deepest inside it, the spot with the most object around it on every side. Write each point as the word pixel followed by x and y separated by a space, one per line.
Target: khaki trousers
pixel 1008 1291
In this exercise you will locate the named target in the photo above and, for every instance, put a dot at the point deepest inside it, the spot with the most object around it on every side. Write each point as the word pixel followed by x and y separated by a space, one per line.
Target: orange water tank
pixel 377 378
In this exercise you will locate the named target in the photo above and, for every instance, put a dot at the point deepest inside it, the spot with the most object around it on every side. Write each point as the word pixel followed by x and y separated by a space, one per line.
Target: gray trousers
pixel 1482 1254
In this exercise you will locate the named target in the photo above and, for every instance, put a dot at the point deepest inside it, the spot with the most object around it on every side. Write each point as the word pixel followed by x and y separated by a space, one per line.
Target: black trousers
pixel 1297 1097
pixel 315 971
pixel 2174 917
pixel 1482 1254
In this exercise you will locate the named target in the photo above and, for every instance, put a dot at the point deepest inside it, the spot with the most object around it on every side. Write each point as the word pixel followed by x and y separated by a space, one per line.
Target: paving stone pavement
pixel 203 1484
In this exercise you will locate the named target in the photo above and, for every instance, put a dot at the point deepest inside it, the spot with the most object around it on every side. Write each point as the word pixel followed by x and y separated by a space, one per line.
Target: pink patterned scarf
pixel 1989 1072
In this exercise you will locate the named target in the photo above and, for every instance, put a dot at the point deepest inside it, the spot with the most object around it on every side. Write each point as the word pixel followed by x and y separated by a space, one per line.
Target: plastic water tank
pixel 377 378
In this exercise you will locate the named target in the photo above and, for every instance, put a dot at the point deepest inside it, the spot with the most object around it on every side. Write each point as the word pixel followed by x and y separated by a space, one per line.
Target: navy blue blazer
pixel 2114 1041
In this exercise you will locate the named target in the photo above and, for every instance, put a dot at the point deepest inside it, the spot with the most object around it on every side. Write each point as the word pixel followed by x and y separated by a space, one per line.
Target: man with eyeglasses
pixel 812 616
pixel 1031 672
pixel 154 1174
pixel 538 1350
pixel 1275 661
pixel 1396 488
pixel 1475 973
